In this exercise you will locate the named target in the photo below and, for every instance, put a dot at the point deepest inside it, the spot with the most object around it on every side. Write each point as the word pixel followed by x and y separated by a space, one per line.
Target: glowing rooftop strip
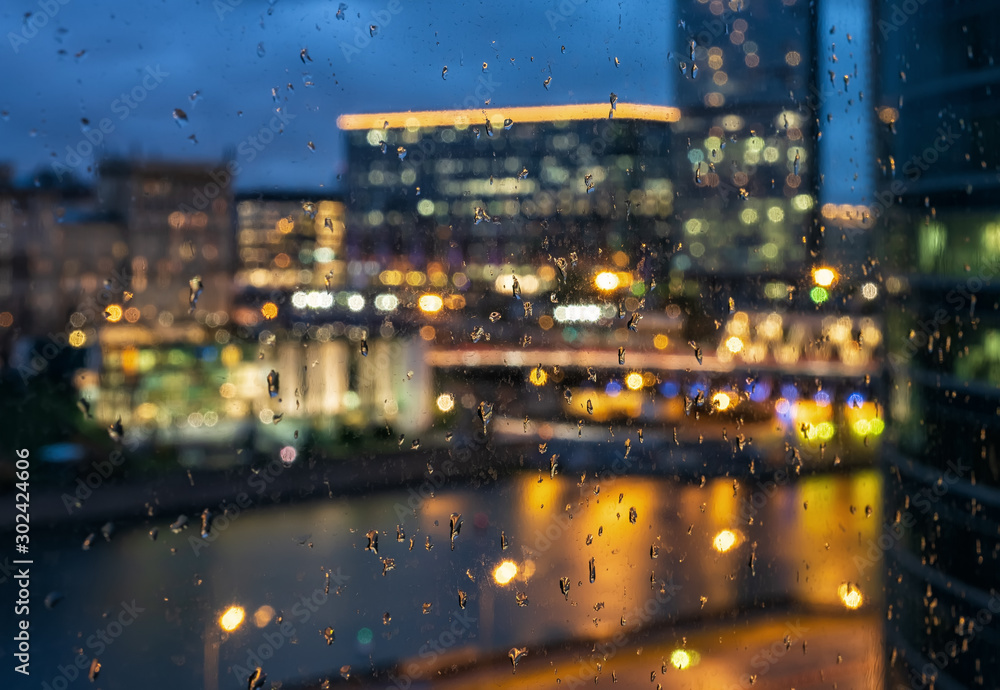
pixel 538 113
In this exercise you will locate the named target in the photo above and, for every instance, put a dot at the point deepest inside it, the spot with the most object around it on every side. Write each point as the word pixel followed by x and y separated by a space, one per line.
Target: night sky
pixel 233 53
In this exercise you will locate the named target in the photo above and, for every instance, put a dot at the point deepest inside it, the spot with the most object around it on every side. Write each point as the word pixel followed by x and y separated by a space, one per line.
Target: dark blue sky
pixel 88 54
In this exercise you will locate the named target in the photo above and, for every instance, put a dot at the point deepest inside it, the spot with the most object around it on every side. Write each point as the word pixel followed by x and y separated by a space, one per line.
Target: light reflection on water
pixel 804 537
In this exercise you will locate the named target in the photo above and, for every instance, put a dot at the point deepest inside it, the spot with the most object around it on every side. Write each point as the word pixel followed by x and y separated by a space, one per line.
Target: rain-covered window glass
pixel 409 344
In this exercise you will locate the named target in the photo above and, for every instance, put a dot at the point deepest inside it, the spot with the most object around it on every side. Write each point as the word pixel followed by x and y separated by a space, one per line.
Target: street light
pixel 824 276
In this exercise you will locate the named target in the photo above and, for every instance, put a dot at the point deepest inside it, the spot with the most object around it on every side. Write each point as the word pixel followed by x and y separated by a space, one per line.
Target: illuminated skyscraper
pixel 937 207
pixel 287 242
pixel 488 186
pixel 179 223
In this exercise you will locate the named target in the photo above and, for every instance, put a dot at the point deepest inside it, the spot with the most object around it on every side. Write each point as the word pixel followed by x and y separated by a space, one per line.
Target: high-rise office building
pixel 937 205
pixel 289 242
pixel 179 224
pixel 487 187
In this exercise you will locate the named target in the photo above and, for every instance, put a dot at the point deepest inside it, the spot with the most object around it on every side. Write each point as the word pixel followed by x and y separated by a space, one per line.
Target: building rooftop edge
pixel 536 113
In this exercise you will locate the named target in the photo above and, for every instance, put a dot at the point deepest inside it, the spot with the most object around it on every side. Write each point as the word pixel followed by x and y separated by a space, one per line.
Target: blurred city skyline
pixel 84 62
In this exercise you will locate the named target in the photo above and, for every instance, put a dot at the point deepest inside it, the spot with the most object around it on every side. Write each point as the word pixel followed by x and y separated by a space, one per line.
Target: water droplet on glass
pixel 386 618
pixel 485 413
pixel 495 316
pixel 364 347
pixel 632 515
pixel 372 30
pixel 329 635
pixel 633 323
pixel 372 541
pixel 444 72
pixel 621 355
pixel 206 523
pixel 477 334
pixel 256 679
pixel 593 571
pixel 426 608
pixel 697 350
pixel 179 524
pixel 116 431
pixel 548 80
pixel 516 654
pixel 273 384
pixel 489 128
pixel 564 587
pixel 180 117
pixel 195 287
pixel 503 541
pixel 387 565
pixel 89 541
pixel 456 527
pixel 590 406
pixel 95 670
pixel 260 49
pixel 401 152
